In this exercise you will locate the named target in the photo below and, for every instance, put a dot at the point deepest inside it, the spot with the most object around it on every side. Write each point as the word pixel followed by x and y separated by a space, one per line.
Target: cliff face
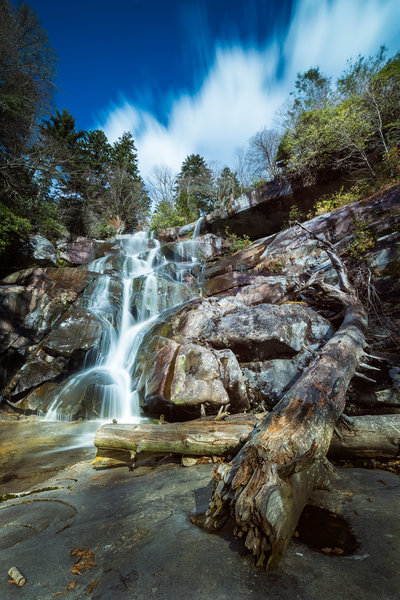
pixel 242 344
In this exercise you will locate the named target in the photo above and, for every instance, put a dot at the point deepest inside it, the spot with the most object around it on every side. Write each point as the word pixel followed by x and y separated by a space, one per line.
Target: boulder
pixel 39 368
pixel 63 350
pixel 83 250
pixel 32 301
pixel 181 378
pixel 267 331
pixel 80 330
pixel 220 351
pixel 42 251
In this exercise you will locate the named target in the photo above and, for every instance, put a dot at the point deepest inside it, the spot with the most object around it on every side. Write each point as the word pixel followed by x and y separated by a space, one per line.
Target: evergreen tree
pixel 195 192
pixel 228 186
pixel 27 69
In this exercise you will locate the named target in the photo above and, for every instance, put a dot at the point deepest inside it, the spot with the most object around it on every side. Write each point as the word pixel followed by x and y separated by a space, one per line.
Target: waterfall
pixel 135 285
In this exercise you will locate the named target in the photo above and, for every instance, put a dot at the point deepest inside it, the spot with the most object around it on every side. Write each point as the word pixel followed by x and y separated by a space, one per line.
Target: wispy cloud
pixel 245 86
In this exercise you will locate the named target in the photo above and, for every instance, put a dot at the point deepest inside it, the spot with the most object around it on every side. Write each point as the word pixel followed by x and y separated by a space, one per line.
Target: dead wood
pixel 369 436
pixel 266 486
pixel 361 437
pixel 193 438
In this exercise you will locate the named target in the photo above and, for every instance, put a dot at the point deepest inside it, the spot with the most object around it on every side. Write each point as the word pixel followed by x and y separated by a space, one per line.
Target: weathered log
pixel 368 437
pixel 194 438
pixel 266 486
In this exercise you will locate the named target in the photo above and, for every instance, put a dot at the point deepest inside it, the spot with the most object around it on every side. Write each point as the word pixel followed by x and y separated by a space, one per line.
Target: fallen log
pixel 193 438
pixel 368 437
pixel 267 484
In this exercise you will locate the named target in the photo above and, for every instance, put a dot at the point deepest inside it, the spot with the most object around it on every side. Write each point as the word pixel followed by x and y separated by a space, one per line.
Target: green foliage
pixel 194 191
pixel 237 242
pixel 350 130
pixel 275 265
pixel 13 229
pixel 228 187
pixel 363 240
pixel 166 215
pixel 330 202
pixel 295 214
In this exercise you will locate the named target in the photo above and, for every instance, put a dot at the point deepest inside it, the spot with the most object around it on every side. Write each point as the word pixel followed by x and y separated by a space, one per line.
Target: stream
pixel 136 285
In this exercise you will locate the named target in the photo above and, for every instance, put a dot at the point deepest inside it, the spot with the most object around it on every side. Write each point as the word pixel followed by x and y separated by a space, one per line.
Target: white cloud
pixel 241 91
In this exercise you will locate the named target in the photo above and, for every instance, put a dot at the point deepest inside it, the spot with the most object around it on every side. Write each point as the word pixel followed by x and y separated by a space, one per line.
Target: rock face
pixel 239 347
pixel 221 351
pixel 43 252
pixel 82 250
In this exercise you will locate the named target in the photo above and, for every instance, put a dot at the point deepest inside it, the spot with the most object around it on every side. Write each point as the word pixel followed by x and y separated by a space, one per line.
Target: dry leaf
pixel 326 550
pixel 91 586
pixel 71 585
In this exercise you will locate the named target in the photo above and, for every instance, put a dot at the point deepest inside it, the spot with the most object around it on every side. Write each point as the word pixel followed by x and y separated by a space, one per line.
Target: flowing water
pixel 135 286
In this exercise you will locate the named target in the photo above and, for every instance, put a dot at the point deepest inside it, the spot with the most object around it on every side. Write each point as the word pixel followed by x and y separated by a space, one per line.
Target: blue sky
pixel 200 75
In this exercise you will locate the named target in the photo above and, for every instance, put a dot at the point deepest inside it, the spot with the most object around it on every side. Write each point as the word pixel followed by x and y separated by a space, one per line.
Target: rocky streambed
pixel 236 347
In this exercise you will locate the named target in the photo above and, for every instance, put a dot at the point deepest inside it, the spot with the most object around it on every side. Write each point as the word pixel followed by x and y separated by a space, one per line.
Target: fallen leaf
pixel 91 586
pixel 326 550
pixel 71 585
pixel 338 550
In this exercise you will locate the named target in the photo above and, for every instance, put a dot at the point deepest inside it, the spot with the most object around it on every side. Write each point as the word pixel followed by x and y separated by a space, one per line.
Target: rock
pixel 267 331
pixel 42 251
pixel 188 461
pixel 219 351
pixel 38 400
pixel 83 250
pixel 62 350
pixel 31 302
pixel 181 378
pixel 79 331
pixel 268 381
pixel 153 295
pixel 39 368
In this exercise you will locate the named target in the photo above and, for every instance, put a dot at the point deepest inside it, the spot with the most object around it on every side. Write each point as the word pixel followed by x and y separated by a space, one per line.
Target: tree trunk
pixel 370 436
pixel 266 486
pixel 194 438
pixel 367 437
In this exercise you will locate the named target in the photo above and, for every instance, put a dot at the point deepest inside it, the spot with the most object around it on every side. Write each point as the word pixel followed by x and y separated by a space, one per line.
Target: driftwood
pixel 361 437
pixel 266 486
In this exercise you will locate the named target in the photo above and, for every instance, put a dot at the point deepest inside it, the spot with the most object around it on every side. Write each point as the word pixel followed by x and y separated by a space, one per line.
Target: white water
pixel 135 285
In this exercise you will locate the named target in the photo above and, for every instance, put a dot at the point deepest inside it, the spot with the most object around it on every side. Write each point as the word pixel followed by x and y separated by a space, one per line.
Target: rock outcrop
pixel 241 345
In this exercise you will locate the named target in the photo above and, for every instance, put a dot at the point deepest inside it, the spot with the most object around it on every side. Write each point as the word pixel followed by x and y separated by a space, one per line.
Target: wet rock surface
pixel 145 546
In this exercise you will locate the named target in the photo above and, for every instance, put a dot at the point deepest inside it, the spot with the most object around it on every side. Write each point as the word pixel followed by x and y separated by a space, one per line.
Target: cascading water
pixel 142 284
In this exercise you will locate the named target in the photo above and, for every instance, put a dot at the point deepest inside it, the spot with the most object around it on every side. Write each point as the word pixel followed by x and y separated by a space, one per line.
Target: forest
pixel 60 181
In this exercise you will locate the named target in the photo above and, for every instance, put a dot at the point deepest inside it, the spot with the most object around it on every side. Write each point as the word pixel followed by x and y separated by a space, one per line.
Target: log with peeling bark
pixel 266 486
pixel 360 437
pixel 194 438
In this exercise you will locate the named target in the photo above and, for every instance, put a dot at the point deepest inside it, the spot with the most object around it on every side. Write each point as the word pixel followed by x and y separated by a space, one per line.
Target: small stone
pixel 188 461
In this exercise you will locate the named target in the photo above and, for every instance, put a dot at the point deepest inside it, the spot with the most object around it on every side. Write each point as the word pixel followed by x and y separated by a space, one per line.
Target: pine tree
pixel 195 192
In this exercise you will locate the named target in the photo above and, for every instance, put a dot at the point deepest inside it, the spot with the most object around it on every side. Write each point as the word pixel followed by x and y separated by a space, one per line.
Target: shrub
pixel 235 241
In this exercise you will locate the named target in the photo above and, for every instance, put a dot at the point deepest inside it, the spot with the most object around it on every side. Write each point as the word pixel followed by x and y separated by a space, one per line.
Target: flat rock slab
pixel 138 525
